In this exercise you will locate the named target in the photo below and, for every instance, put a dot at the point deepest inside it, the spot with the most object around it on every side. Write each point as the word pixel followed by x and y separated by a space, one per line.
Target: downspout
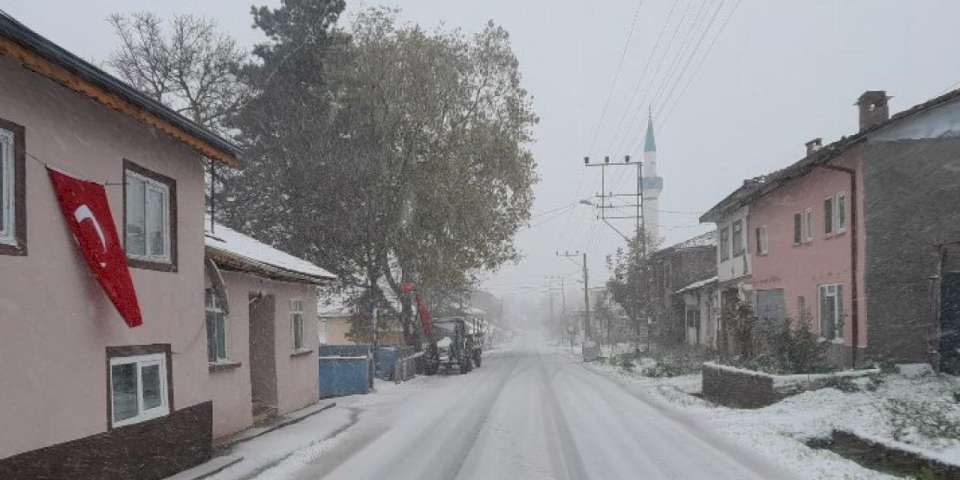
pixel 854 283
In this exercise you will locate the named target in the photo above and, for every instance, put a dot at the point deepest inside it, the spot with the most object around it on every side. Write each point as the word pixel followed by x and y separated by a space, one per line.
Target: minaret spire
pixel 652 184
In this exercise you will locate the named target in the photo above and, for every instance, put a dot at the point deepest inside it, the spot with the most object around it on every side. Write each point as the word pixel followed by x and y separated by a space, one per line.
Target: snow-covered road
pixel 529 412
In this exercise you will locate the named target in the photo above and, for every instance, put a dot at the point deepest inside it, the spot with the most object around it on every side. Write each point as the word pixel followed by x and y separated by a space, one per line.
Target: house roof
pixel 708 239
pixel 759 186
pixel 698 284
pixel 234 250
pixel 49 59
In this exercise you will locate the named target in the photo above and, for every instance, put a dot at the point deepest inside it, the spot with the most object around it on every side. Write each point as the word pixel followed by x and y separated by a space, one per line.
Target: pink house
pixel 861 238
pixel 261 330
pixel 800 236
pixel 82 395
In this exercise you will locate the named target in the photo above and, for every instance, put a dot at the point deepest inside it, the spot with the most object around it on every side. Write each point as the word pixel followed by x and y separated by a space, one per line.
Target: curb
pixel 288 419
pixel 213 466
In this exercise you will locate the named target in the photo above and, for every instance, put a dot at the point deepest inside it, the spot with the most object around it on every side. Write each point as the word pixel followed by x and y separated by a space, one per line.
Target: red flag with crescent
pixel 87 213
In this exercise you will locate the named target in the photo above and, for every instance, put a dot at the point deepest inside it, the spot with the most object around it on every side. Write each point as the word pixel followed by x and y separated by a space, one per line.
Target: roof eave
pixel 231 261
pixel 45 58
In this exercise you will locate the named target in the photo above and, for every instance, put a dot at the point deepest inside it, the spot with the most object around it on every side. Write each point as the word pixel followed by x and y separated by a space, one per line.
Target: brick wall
pixel 911 190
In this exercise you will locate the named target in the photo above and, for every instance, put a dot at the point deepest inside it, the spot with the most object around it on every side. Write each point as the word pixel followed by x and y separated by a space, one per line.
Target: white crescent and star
pixel 82 213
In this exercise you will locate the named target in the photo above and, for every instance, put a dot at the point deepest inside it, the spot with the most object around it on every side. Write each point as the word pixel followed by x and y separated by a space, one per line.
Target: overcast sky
pixel 779 74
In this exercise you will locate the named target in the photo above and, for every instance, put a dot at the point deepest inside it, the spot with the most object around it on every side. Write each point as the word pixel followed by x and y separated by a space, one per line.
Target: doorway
pixel 263 366
pixel 950 323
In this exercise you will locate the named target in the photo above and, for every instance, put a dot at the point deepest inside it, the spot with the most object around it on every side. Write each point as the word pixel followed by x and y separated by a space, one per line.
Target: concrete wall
pixel 55 320
pixel 737 388
pixel 296 375
pixel 911 194
pixel 799 270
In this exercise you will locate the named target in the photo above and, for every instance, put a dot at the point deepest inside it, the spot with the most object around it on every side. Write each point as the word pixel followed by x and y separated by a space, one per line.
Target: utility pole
pixel 587 329
pixel 639 223
pixel 587 332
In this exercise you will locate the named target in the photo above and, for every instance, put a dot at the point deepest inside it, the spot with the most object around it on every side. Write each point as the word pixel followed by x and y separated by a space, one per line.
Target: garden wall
pixel 734 387
pixel 739 388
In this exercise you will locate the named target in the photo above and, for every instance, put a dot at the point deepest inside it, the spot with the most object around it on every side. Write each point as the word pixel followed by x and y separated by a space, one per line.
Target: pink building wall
pixel 55 320
pixel 297 376
pixel 799 270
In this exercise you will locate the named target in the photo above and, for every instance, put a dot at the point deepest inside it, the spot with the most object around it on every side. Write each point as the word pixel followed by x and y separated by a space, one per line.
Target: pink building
pixel 800 240
pixel 860 238
pixel 81 393
pixel 261 330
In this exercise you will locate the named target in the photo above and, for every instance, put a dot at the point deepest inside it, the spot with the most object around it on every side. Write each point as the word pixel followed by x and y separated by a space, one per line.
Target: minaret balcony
pixel 652 184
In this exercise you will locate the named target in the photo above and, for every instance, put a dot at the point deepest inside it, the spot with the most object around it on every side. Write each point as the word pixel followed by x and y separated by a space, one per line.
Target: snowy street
pixel 530 412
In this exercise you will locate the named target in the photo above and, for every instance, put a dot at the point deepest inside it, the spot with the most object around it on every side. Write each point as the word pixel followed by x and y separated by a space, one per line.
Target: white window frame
pixel 213 306
pixel 735 237
pixel 763 247
pixel 822 292
pixel 807 225
pixel 8 227
pixel 296 311
pixel 149 185
pixel 141 361
pixel 839 210
pixel 322 330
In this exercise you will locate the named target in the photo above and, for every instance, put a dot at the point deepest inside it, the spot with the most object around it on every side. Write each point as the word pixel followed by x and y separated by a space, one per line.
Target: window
pixel 802 308
pixel 138 388
pixel 831 311
pixel 13 228
pixel 797 227
pixel 296 323
pixel 841 212
pixel 724 243
pixel 828 216
pixel 149 217
pixel 738 238
pixel 761 239
pixel 216 328
pixel 808 225
pixel 322 330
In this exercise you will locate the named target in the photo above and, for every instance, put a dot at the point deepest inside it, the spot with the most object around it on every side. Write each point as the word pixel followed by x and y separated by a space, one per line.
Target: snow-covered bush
pixel 913 421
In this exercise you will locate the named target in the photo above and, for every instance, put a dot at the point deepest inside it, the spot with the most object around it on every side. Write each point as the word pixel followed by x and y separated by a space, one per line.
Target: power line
pixel 656 72
pixel 616 76
pixel 703 59
pixel 552 210
pixel 646 67
pixel 682 52
pixel 686 65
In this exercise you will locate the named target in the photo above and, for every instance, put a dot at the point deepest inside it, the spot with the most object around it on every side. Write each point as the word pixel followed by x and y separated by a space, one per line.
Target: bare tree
pixel 190 66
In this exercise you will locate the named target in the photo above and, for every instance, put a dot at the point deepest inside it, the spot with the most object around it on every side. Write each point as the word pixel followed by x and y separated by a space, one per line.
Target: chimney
pixel 814 145
pixel 873 108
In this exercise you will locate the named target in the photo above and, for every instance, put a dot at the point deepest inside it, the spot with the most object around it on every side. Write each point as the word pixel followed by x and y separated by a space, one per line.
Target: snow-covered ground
pixel 534 411
pixel 879 410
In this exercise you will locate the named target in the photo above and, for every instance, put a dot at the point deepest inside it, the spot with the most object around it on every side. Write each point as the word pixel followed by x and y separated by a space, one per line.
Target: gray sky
pixel 780 74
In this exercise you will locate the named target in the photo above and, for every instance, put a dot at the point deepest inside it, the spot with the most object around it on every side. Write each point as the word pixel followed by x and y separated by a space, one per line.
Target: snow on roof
pixel 698 284
pixel 248 252
pixel 708 239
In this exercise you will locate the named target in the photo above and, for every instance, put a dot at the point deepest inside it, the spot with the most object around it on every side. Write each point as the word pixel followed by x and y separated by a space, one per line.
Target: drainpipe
pixel 854 297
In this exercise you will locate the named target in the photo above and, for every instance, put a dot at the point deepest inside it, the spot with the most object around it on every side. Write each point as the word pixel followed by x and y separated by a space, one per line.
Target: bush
pixel 680 360
pixel 789 350
pixel 931 419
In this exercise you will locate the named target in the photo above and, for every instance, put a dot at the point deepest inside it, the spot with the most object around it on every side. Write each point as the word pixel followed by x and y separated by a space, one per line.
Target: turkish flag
pixel 85 209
